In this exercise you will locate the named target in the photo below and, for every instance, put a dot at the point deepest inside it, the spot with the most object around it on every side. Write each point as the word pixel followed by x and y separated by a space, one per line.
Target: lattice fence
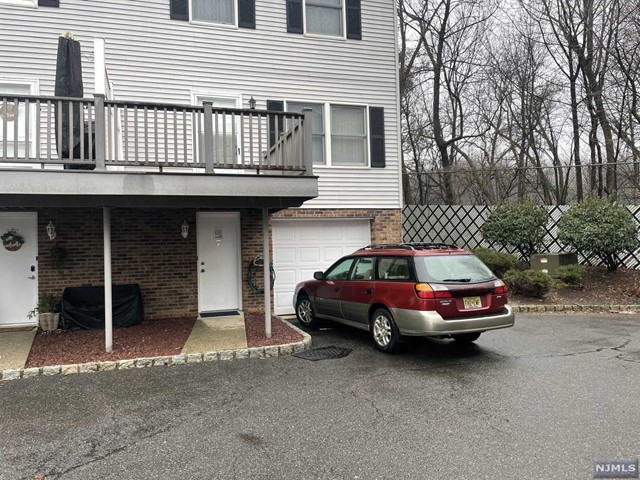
pixel 461 225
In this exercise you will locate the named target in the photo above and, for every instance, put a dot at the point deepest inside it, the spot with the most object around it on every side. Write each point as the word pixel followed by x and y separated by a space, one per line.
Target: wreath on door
pixel 12 240
pixel 8 112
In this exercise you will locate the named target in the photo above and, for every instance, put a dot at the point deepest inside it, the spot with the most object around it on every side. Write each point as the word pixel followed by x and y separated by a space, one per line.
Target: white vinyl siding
pixel 153 58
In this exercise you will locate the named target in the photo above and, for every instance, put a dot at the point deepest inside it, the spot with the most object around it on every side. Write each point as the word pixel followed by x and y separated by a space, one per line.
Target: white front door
pixel 18 270
pixel 219 269
pixel 301 247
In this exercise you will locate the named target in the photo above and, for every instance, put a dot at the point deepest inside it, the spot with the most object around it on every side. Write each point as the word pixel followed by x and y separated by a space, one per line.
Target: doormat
pixel 227 313
pixel 323 353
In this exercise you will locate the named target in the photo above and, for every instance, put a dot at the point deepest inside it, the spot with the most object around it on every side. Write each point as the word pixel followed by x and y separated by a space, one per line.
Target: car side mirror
pixel 318 275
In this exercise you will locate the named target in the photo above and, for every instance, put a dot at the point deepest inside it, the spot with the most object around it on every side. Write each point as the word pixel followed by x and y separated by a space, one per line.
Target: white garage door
pixel 301 247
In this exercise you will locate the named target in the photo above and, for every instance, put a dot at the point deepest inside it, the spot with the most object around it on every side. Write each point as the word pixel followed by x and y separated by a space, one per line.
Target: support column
pixel 267 272
pixel 108 298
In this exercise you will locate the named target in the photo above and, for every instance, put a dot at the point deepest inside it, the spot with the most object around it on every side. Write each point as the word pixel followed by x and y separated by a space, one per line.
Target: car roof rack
pixel 411 246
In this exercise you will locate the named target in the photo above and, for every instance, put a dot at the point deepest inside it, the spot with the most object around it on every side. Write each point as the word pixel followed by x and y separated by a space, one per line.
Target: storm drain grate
pixel 323 353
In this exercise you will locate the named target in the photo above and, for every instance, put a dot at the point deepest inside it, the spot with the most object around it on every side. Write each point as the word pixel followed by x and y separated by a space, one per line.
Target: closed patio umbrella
pixel 68 83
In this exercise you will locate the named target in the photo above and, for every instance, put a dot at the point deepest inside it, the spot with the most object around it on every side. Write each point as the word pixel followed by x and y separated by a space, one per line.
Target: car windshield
pixel 452 269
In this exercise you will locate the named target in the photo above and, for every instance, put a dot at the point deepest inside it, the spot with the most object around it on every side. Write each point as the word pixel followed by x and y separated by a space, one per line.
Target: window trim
pixel 343 21
pixel 21 3
pixel 233 26
pixel 367 164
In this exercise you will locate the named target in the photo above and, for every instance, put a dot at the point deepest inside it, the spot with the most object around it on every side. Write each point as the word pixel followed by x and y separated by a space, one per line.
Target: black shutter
pixel 48 3
pixel 179 10
pixel 376 132
pixel 247 13
pixel 354 22
pixel 278 106
pixel 294 16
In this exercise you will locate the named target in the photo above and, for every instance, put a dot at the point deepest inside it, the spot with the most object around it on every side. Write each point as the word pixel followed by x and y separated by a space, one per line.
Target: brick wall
pixel 147 249
pixel 386 225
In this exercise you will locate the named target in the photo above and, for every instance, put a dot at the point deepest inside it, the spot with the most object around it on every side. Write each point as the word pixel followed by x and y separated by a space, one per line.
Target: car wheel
pixel 384 331
pixel 466 338
pixel 304 312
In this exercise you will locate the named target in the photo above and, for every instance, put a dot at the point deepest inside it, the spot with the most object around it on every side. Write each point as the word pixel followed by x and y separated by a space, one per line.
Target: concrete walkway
pixel 15 347
pixel 213 334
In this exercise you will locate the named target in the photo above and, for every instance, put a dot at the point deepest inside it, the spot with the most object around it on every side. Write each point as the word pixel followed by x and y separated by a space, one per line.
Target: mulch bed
pixel 280 331
pixel 152 338
pixel 600 287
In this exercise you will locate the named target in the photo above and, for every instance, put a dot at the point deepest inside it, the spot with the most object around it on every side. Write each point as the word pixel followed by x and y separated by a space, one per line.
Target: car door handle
pixel 337 289
pixel 32 277
pixel 368 291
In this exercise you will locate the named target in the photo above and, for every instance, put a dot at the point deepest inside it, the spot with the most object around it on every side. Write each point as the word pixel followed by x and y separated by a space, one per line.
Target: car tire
pixel 304 312
pixel 384 331
pixel 466 338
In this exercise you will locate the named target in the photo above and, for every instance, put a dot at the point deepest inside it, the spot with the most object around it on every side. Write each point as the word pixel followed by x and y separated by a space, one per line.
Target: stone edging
pixel 181 359
pixel 576 308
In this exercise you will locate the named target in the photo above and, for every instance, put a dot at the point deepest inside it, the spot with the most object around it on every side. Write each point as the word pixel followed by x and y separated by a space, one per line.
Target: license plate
pixel 472 302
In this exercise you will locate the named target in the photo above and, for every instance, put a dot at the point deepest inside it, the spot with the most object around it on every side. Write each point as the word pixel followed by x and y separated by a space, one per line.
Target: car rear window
pixel 452 269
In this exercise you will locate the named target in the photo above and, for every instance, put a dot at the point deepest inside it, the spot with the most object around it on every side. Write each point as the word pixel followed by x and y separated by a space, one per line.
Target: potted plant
pixel 47 312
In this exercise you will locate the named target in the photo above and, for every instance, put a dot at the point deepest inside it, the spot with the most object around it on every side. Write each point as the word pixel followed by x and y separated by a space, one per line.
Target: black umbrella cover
pixel 69 84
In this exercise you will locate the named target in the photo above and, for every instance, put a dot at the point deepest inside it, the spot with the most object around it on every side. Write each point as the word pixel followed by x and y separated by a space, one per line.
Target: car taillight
pixel 426 291
pixel 500 287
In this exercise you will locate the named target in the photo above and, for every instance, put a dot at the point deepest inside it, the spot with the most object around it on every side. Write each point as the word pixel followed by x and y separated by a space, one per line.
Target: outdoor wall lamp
pixel 185 229
pixel 51 230
pixel 252 103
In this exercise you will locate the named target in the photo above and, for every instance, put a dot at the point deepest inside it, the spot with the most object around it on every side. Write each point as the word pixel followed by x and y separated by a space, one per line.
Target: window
pixel 237 13
pixel 324 17
pixel 394 268
pixel 452 268
pixel 348 135
pixel 363 269
pixel 318 128
pixel 340 271
pixel 214 11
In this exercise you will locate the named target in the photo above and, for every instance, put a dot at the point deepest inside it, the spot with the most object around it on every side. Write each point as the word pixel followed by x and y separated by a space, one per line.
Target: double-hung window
pixel 214 11
pixel 330 18
pixel 349 135
pixel 324 17
pixel 317 128
pixel 235 13
pixel 343 135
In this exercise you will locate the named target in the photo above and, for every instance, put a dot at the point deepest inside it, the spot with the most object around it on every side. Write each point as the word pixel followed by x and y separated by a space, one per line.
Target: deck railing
pixel 99 134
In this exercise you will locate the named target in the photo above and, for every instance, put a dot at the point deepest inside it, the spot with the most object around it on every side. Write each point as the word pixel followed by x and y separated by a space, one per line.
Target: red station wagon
pixel 412 289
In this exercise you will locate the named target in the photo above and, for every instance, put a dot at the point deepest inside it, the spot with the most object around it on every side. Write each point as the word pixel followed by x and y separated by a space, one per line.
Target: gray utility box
pixel 550 262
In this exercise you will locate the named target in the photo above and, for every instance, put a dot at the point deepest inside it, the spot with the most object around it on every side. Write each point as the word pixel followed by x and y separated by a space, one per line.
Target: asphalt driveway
pixel 542 400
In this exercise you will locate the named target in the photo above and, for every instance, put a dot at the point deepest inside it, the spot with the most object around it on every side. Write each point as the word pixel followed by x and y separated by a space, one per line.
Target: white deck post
pixel 108 300
pixel 267 272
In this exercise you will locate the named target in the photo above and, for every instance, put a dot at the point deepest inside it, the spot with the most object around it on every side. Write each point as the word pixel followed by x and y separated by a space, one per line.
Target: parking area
pixel 541 400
